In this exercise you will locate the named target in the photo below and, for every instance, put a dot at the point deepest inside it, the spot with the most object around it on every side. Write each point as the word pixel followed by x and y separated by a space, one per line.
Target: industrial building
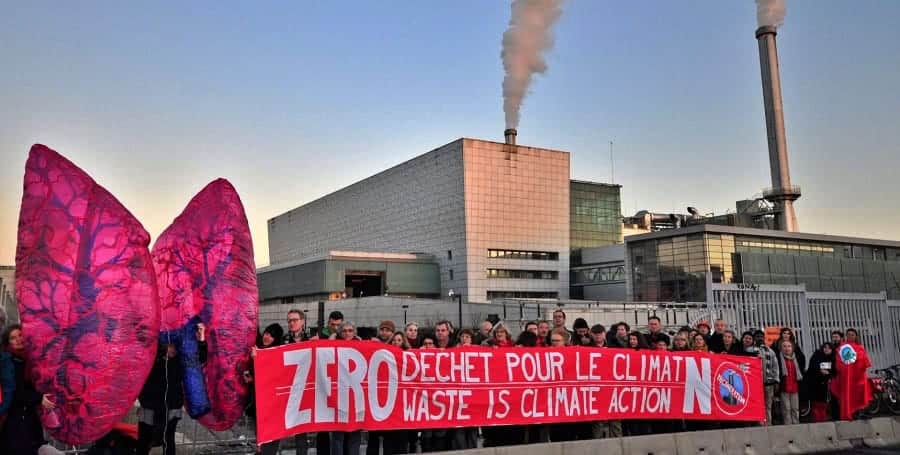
pixel 491 219
pixel 348 274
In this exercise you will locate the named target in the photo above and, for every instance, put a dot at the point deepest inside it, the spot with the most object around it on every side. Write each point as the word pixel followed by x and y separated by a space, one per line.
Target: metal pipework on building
pixel 510 135
pixel 782 193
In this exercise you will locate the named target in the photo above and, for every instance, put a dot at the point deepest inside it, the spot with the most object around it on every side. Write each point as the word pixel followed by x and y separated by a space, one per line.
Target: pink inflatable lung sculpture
pixel 205 272
pixel 87 296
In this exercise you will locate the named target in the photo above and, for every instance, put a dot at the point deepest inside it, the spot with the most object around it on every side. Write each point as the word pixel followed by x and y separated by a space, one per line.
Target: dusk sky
pixel 293 100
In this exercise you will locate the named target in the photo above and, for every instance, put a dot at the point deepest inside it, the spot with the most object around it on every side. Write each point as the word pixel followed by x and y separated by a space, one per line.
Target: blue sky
pixel 292 100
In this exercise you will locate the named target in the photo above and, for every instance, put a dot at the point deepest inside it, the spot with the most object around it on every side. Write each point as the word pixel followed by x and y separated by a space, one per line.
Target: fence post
pixel 806 333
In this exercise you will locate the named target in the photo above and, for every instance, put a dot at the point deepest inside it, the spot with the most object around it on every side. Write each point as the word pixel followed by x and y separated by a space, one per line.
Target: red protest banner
pixel 346 386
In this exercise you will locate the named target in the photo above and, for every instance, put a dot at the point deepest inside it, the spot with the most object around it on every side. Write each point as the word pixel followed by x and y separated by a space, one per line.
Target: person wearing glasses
pixel 296 327
pixel 296 332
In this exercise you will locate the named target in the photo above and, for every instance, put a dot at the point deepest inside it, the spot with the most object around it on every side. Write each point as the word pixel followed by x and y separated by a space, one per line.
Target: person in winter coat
pixel 162 397
pixel 272 336
pixel 791 378
pixel 787 334
pixel 818 374
pixel 22 433
pixel 346 442
pixel 7 384
pixel 727 344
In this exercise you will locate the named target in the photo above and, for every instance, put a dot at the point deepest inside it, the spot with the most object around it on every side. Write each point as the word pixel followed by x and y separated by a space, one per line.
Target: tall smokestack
pixel 510 135
pixel 782 193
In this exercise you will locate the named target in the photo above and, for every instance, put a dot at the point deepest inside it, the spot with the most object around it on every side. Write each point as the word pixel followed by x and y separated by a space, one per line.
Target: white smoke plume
pixel 770 12
pixel 527 37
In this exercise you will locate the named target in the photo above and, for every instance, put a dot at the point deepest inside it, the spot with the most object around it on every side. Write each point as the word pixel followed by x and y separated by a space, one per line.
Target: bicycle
pixel 885 389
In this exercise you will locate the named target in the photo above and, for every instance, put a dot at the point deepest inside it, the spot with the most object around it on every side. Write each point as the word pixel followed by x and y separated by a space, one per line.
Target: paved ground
pixel 886 451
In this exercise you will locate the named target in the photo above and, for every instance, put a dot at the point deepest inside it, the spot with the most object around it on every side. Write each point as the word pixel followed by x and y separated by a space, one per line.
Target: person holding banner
pixel 598 336
pixel 346 442
pixel 393 442
pixel 680 343
pixel 465 437
pixel 500 338
pixel 728 344
pixel 656 333
pixel 271 337
pixel 698 343
pixel 771 371
pixel 296 333
pixel 619 335
pixel 398 340
pixel 851 383
pixel 412 335
pixel 162 396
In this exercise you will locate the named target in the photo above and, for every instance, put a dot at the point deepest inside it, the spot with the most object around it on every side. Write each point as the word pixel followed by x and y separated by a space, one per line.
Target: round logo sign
pixel 848 354
pixel 731 389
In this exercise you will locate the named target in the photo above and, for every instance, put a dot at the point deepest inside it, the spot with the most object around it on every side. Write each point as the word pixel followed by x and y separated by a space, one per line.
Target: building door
pixel 363 283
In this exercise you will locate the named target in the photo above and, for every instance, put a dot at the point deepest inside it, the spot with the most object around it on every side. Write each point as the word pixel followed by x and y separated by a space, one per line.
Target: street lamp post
pixel 451 294
pixel 405 307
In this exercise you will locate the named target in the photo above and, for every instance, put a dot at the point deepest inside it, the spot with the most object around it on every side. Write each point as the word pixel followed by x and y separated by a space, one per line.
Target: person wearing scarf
pixel 791 377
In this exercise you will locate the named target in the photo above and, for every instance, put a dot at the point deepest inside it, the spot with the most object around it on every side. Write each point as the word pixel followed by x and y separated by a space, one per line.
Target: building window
pixel 595 275
pixel 523 274
pixel 449 255
pixel 494 295
pixel 451 274
pixel 530 255
pixel 287 300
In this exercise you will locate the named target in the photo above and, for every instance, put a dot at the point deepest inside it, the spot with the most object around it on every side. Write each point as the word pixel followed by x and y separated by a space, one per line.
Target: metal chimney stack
pixel 510 135
pixel 782 193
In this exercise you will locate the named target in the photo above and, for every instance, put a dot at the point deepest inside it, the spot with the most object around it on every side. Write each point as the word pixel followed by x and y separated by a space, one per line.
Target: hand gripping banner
pixel 346 386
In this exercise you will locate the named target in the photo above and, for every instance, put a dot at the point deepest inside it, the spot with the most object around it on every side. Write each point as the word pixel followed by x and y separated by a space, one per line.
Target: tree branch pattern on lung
pixel 87 297
pixel 205 272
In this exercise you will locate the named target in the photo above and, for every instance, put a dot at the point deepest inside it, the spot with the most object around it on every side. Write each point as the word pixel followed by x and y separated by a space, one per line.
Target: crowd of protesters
pixel 786 373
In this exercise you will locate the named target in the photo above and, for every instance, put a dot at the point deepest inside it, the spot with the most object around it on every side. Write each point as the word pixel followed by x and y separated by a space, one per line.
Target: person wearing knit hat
pixel 386 330
pixel 582 332
pixel 275 332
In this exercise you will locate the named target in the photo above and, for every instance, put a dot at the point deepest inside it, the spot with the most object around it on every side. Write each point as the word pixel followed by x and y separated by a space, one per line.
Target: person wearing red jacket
pixel 851 383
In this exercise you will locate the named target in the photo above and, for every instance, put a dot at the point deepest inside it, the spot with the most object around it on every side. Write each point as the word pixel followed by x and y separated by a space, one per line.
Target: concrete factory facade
pixel 493 218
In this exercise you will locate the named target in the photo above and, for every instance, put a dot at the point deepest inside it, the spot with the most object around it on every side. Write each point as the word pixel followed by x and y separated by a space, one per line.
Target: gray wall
pixel 417 206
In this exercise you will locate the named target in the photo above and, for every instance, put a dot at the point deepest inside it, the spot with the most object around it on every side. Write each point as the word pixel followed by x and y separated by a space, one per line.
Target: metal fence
pixel 814 315
pixel 195 439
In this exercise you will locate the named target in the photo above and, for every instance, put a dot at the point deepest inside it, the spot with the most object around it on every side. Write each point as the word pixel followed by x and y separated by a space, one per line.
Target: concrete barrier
pixel 822 437
pixel 786 439
pixel 553 448
pixel 747 441
pixel 854 432
pixel 774 440
pixel 884 433
pixel 657 444
pixel 700 443
pixel 593 447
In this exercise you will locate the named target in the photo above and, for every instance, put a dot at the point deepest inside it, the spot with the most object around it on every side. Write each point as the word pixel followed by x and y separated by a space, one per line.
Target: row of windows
pixel 494 295
pixel 789 246
pixel 523 274
pixel 598 275
pixel 533 255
